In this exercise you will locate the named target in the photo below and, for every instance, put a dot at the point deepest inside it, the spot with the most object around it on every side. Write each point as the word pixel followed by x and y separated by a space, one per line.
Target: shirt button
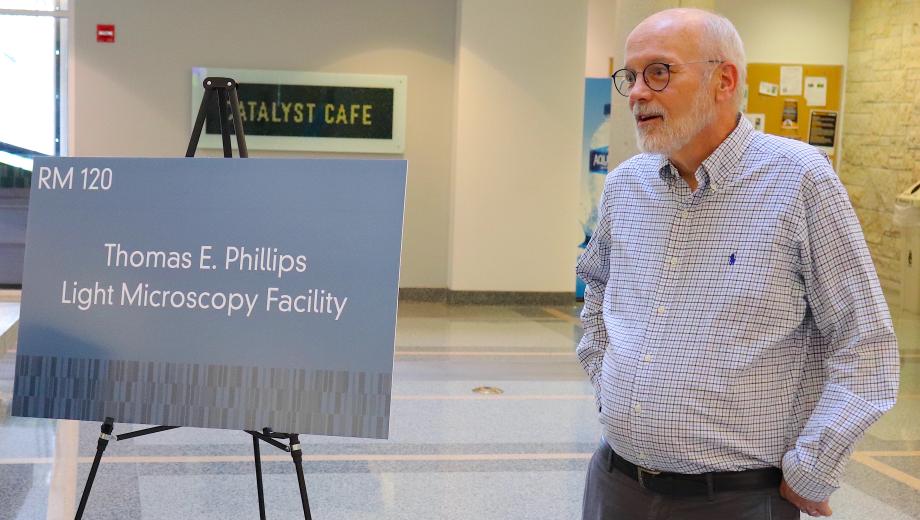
pixel 642 456
pixel 638 408
pixel 684 214
pixel 647 358
pixel 674 262
pixel 661 310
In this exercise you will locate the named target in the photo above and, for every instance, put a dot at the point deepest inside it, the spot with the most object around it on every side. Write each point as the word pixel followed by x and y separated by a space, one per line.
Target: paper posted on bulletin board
pixel 797 101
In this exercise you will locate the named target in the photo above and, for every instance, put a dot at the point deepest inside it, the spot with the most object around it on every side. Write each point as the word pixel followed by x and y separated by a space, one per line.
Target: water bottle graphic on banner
pixel 600 143
pixel 593 179
pixel 595 139
pixel 592 185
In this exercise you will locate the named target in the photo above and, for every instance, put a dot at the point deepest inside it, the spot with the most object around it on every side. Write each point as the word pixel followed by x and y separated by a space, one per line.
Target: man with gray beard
pixel 734 328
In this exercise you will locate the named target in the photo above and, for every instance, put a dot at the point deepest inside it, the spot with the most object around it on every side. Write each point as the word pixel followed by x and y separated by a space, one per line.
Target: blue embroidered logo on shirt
pixel 731 259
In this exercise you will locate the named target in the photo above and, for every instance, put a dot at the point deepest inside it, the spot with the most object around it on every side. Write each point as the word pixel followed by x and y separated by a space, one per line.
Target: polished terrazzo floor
pixel 453 454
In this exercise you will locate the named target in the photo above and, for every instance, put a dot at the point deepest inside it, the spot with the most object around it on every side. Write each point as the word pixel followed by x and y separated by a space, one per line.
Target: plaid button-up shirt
pixel 738 326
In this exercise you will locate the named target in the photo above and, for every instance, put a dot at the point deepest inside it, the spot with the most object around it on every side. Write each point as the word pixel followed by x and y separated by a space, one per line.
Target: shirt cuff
pixel 805 485
pixel 596 383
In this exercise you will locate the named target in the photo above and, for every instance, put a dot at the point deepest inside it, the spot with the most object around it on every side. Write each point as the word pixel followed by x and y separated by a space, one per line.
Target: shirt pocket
pixel 759 300
pixel 760 270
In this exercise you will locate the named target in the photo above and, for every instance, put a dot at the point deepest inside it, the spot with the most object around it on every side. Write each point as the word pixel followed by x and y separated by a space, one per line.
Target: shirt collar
pixel 719 165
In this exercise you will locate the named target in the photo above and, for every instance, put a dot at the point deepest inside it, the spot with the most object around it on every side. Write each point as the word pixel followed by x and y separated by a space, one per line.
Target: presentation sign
pixel 217 293
pixel 312 111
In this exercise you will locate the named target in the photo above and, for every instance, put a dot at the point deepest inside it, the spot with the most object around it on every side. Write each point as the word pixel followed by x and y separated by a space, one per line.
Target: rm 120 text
pixel 93 179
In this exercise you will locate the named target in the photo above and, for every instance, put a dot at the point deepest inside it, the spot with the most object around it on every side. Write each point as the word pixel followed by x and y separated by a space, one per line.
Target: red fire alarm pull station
pixel 105 33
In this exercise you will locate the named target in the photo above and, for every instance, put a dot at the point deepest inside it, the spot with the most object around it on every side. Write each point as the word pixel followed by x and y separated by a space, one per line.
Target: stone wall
pixel 881 129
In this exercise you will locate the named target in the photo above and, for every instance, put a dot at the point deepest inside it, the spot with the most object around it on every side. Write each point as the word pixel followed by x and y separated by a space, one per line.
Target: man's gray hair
pixel 720 40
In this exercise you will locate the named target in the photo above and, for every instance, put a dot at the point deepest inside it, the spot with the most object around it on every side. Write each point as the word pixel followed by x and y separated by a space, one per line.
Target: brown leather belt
pixel 703 484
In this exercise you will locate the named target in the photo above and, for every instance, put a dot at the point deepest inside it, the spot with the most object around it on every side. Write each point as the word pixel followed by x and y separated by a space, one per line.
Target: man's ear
pixel 728 81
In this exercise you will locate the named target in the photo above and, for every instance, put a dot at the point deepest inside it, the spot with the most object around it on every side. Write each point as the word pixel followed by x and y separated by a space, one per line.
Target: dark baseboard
pixel 423 294
pixel 443 295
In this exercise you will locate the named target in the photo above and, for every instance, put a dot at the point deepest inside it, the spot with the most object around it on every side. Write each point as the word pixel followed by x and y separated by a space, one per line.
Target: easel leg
pixel 297 455
pixel 222 100
pixel 107 427
pixel 258 459
pixel 199 123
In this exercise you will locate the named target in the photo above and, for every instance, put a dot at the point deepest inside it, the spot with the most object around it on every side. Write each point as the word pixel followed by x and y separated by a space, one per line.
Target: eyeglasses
pixel 656 76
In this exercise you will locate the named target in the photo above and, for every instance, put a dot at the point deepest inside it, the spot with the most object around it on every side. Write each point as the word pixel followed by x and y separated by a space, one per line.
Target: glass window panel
pixel 27 88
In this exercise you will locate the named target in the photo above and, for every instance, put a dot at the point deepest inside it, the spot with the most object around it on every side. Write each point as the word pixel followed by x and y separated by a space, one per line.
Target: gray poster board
pixel 218 293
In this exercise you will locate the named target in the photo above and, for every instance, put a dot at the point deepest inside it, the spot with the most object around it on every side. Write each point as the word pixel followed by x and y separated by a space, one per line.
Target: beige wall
pixel 505 75
pixel 601 45
pixel 132 98
pixel 520 91
pixel 882 133
pixel 791 31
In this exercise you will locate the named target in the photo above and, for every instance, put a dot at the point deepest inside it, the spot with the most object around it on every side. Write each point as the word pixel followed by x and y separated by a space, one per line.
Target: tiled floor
pixel 452 454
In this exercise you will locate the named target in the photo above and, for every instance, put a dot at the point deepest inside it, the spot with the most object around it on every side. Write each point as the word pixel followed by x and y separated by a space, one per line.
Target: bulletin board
pixel 809 113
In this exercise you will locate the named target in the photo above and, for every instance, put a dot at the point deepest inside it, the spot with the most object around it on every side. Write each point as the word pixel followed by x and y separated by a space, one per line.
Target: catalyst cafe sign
pixel 308 111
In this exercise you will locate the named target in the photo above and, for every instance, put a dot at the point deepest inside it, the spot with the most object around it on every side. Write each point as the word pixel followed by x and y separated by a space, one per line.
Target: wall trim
pixel 444 295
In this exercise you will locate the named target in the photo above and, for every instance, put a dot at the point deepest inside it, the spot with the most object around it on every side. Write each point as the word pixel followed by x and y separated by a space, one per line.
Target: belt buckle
pixel 640 470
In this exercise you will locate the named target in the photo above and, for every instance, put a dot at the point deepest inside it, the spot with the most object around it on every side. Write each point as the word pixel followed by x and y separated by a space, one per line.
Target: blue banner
pixel 595 143
pixel 221 293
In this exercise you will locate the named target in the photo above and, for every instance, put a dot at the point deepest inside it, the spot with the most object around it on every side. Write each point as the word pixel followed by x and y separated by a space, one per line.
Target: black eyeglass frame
pixel 667 67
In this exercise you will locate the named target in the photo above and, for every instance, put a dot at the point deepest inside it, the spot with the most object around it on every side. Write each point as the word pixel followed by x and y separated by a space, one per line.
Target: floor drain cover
pixel 488 390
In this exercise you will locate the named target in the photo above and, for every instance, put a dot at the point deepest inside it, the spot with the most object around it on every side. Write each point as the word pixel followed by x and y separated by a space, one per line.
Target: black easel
pixel 225 89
